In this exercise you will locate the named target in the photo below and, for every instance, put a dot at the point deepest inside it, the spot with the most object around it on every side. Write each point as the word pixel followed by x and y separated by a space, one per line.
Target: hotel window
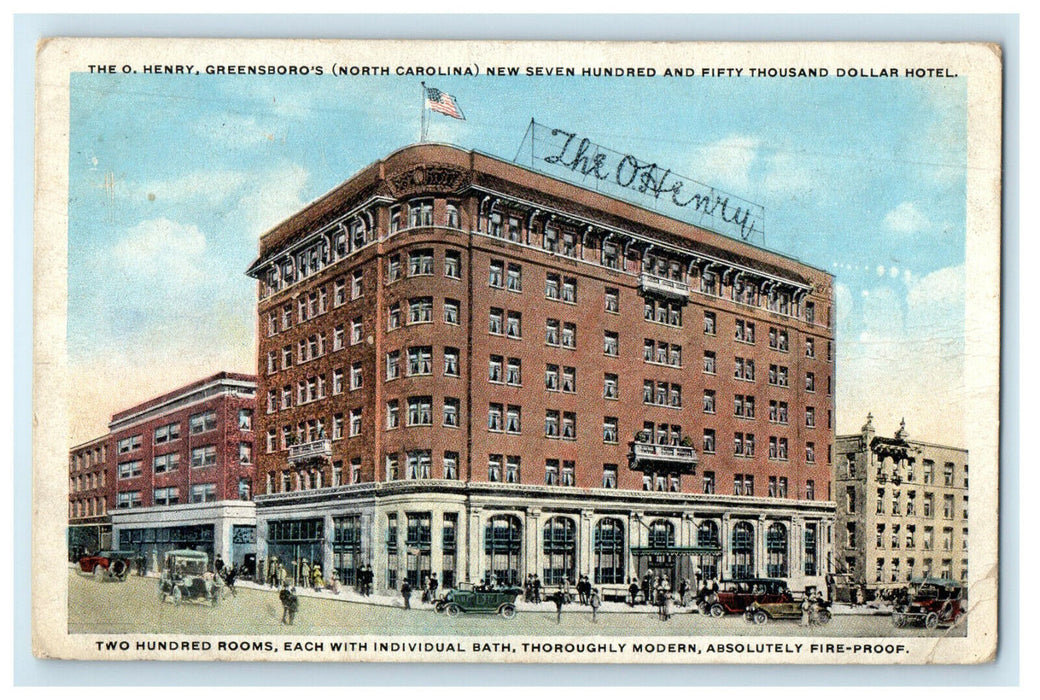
pixel 393 364
pixel 569 422
pixel 568 336
pixel 810 490
pixel 355 422
pixel 420 360
pixel 567 473
pixel 611 302
pixel 393 417
pixel 745 331
pixel 552 472
pixel 709 323
pixel 778 375
pixel 357 284
pixel 272 324
pixel 610 429
pixel 272 358
pixel 708 444
pixel 609 476
pixel 495 224
pixel 451 465
pixel 549 239
pixel 287 357
pixel 337 426
pixel 245 419
pixel 245 453
pixel 417 463
pixel 392 470
pixel 709 401
pixel 810 417
pixel 420 263
pixel 810 452
pixel 129 499
pixel 452 216
pixel 513 371
pixel 708 283
pixel 495 468
pixel 495 417
pixel 569 248
pixel 420 310
pixel 744 406
pixel 610 255
pixel 495 369
pixel 272 440
pixel 452 264
pixel 451 362
pixel 393 320
pixel 778 339
pixel 451 311
pixel 569 291
pixel 514 278
pixel 512 469
pixel 708 482
pixel 356 378
pixel 610 343
pixel 709 362
pixel 287 317
pixel 420 410
pixel 948 506
pixel 513 324
pixel 552 331
pixel 170 462
pixel 513 419
pixel 610 386
pixel 569 381
pixel 286 397
pixel 420 213
pixel 948 474
pixel 495 273
pixel 810 381
pixel 552 424
pixel 205 456
pixel 810 312
pixel 495 318
pixel 393 268
pixel 513 229
pixel 552 377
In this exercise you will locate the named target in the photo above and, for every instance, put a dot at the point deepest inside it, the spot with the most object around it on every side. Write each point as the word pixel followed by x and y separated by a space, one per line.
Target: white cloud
pixel 787 173
pixel 727 163
pixel 161 250
pixel 274 197
pixel 906 218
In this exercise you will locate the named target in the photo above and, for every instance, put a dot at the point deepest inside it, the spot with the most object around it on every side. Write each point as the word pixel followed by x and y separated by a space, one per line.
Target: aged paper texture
pixel 503 352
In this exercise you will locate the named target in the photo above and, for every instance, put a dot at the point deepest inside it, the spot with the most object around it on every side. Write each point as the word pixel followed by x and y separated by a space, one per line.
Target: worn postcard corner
pixel 500 352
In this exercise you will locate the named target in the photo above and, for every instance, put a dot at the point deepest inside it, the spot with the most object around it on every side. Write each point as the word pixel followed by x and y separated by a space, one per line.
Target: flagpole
pixel 422 114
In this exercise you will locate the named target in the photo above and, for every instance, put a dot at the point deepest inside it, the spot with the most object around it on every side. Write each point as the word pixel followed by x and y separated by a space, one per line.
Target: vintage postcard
pixel 516 352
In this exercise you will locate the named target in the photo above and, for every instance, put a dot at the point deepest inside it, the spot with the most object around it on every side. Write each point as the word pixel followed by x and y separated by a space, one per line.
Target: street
pixel 133 607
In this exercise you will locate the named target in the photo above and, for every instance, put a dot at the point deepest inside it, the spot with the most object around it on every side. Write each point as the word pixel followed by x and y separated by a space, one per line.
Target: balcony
pixel 663 459
pixel 662 286
pixel 310 451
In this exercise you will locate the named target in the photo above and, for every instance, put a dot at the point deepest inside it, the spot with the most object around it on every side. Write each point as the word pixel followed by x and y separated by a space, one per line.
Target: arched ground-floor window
pixel 742 551
pixel 776 551
pixel 608 548
pixel 502 543
pixel 560 550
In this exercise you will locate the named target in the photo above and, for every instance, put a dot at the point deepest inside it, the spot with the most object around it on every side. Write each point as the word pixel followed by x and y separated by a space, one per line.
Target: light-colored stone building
pixel 901 508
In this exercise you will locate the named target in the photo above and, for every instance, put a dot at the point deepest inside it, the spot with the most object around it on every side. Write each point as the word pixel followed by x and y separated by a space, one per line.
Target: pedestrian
pixel 594 602
pixel 558 598
pixel 283 575
pixel 806 609
pixel 229 579
pixel 666 609
pixel 406 593
pixel 684 592
pixel 305 573
pixel 284 596
pixel 294 605
pixel 583 598
pixel 218 566
pixel 537 589
pixel 426 589
pixel 633 591
pixel 316 579
pixel 434 585
pixel 334 581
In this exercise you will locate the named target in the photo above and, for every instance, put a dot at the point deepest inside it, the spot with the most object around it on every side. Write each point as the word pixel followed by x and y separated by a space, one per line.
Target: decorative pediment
pixel 427 178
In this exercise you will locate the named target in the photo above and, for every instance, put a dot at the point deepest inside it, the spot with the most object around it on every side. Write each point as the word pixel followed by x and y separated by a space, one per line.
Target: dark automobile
pixel 935 602
pixel 108 564
pixel 734 596
pixel 186 576
pixel 760 612
pixel 467 598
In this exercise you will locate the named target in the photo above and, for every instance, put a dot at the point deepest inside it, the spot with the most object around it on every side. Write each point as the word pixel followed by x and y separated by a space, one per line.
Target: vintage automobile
pixel 111 564
pixel 185 576
pixel 934 602
pixel 466 598
pixel 760 612
pixel 734 596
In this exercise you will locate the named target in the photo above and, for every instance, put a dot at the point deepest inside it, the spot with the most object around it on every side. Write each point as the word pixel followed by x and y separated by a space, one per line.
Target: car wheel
pixel 507 611
pixel 717 610
pixel 899 619
pixel 453 610
pixel 824 617
pixel 177 596
pixel 760 617
pixel 99 572
pixel 931 621
pixel 438 607
pixel 119 569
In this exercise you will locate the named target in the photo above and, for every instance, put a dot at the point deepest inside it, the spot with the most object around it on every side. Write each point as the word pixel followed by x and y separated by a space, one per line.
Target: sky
pixel 174 178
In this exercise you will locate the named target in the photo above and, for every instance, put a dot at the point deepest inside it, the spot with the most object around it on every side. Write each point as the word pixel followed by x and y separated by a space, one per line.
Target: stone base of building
pixel 506 533
pixel 224 528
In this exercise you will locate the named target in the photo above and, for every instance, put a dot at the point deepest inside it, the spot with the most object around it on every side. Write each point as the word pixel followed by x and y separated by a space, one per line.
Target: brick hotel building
pixel 175 471
pixel 472 369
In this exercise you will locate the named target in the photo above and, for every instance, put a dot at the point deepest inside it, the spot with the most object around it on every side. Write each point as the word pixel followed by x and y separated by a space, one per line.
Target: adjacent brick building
pixel 168 464
pixel 469 368
pixel 902 509
pixel 90 493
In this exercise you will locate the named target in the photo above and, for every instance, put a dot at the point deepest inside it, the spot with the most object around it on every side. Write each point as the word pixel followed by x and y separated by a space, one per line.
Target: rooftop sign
pixel 573 157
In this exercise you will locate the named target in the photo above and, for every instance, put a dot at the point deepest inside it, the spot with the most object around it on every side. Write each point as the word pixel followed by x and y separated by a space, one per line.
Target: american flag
pixel 443 102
